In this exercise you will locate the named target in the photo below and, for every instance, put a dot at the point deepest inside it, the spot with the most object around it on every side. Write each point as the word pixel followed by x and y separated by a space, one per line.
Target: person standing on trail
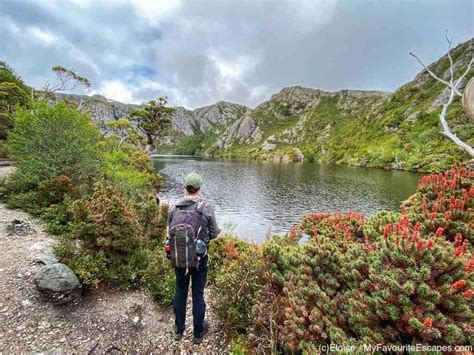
pixel 192 224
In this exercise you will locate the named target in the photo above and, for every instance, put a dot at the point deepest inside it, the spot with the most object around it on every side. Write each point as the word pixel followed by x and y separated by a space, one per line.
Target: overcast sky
pixel 199 52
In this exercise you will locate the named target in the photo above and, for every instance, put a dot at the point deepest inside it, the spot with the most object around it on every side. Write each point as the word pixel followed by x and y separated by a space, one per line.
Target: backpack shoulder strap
pixel 200 205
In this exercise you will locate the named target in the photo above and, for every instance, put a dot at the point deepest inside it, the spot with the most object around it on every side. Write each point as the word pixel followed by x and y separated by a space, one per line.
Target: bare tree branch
pixel 454 91
pixel 433 74
pixel 451 64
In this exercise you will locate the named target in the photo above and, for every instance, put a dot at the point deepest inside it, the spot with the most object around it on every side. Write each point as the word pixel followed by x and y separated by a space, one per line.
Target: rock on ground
pixel 106 320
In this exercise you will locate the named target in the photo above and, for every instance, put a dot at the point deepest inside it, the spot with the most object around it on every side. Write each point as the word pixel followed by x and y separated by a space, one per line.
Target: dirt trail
pixel 105 321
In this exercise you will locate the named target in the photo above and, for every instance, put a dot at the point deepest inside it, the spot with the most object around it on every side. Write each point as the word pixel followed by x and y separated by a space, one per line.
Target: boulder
pixel 58 282
pixel 46 260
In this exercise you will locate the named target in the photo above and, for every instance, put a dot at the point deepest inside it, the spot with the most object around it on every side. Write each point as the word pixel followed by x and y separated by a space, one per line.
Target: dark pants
pixel 198 279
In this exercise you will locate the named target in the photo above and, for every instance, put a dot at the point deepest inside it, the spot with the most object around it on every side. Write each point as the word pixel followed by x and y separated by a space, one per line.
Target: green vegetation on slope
pixel 397 131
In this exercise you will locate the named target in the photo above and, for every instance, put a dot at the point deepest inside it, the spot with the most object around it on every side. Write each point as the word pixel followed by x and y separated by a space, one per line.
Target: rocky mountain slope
pixel 184 122
pixel 399 130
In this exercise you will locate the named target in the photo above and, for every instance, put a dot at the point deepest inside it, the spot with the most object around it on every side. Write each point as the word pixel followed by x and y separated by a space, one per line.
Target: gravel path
pixel 105 321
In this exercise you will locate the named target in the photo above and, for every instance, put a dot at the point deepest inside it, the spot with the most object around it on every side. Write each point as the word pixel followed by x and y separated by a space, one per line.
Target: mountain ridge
pixel 395 130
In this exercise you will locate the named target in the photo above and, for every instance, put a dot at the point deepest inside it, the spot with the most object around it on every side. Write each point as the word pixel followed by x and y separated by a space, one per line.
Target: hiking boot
pixel 177 334
pixel 205 329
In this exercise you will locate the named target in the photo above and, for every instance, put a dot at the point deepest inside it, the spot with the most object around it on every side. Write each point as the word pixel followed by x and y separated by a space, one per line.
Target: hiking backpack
pixel 186 231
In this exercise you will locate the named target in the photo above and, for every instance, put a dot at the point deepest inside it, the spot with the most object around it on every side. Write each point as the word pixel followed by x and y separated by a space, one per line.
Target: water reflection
pixel 259 195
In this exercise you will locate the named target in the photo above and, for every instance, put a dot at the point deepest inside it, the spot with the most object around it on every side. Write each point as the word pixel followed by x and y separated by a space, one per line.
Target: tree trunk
pixel 150 144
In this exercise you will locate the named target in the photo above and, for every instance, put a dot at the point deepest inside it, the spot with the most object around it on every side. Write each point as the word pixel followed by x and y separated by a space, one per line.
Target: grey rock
pixel 299 156
pixel 17 227
pixel 46 260
pixel 38 246
pixel 266 146
pixel 58 282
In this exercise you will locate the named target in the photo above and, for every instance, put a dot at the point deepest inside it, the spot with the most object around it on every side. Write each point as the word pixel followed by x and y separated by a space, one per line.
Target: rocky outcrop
pixel 243 130
pixel 101 109
pixel 221 113
pixel 184 121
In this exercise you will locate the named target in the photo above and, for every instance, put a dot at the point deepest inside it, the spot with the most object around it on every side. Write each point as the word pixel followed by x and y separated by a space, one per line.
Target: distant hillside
pixel 399 130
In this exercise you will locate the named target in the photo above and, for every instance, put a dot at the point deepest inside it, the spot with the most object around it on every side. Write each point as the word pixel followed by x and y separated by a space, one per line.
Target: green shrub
pixel 278 257
pixel 159 277
pixel 57 218
pixel 131 172
pixel 375 226
pixel 237 284
pixel 27 201
pixel 51 140
pixel 90 269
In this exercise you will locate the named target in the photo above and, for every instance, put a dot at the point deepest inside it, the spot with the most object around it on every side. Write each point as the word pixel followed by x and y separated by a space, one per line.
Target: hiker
pixel 192 224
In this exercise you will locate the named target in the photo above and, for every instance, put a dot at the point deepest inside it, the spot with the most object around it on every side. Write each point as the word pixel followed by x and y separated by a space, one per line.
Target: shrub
pixel 375 226
pixel 417 291
pixel 55 189
pixel 106 222
pixel 159 277
pixel 235 273
pixel 444 204
pixel 225 248
pixel 340 225
pixel 26 201
pixel 131 172
pixel 90 269
pixel 314 295
pixel 52 140
pixel 278 255
pixel 57 218
pixel 236 288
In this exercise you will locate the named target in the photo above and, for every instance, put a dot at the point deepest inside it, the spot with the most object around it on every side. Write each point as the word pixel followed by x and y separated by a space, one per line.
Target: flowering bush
pixel 417 290
pixel 106 222
pixel 55 189
pixel 314 296
pixel 375 226
pixel 347 226
pixel 444 204
pixel 398 278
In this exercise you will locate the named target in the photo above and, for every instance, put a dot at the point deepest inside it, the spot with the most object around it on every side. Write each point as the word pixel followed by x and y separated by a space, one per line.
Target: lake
pixel 257 196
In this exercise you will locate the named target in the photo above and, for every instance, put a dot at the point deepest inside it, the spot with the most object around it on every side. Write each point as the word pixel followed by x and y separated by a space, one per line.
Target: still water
pixel 261 195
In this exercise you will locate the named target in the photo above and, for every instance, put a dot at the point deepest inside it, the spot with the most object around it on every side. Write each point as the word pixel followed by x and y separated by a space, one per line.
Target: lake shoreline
pixel 386 168
pixel 258 195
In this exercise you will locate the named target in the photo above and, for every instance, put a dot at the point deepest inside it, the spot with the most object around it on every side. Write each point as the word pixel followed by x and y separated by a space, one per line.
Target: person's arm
pixel 212 229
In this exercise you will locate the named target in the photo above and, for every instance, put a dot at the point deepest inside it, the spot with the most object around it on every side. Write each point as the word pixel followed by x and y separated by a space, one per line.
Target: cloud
pixel 200 52
pixel 43 36
pixel 116 90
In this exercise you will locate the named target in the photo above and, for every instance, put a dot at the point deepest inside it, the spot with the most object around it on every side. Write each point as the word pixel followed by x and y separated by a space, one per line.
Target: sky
pixel 198 52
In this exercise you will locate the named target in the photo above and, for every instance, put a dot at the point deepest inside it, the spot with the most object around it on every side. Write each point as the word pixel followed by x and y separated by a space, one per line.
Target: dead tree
pixel 67 80
pixel 453 85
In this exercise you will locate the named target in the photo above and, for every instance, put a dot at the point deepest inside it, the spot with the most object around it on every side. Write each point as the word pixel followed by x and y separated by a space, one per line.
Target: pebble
pixel 26 303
